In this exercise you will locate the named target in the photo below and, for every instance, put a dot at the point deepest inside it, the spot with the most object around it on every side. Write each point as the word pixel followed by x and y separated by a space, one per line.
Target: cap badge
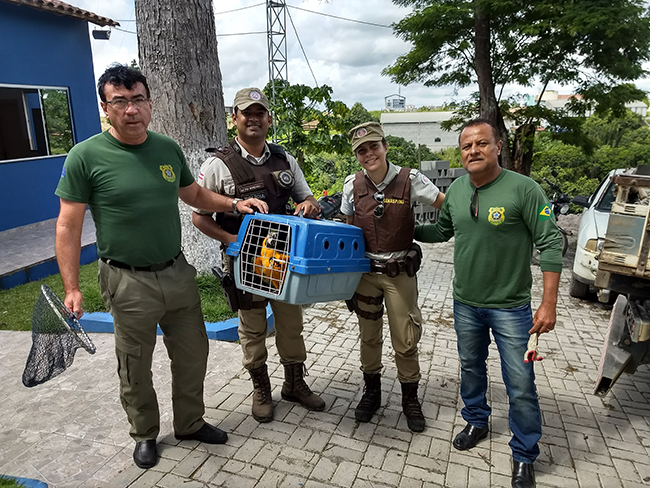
pixel 361 132
pixel 255 95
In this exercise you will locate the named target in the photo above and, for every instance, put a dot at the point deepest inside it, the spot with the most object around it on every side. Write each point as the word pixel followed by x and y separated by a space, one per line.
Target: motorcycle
pixel 560 203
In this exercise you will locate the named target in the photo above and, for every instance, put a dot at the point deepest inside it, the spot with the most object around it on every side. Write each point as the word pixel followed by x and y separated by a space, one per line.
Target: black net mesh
pixel 56 336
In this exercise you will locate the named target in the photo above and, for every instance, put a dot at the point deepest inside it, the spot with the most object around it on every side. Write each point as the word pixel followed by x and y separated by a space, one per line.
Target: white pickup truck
pixel 623 267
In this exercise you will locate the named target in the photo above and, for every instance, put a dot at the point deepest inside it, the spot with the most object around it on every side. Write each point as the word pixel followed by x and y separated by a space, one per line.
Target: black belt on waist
pixel 392 267
pixel 153 267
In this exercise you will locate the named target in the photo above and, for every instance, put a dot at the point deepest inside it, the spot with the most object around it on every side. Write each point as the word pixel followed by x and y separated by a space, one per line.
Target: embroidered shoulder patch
pixel 544 212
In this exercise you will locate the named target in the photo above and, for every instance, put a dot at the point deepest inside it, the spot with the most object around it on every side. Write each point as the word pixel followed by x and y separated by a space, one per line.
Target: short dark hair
pixel 121 75
pixel 472 123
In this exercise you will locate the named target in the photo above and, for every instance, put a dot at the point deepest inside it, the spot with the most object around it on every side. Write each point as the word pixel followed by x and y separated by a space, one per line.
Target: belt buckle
pixel 159 266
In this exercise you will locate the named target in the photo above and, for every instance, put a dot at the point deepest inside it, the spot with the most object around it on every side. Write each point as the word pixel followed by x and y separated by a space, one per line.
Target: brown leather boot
pixel 262 402
pixel 295 389
pixel 411 407
pixel 371 399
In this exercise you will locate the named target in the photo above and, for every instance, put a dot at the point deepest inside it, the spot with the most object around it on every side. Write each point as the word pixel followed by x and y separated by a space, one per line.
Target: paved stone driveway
pixel 71 432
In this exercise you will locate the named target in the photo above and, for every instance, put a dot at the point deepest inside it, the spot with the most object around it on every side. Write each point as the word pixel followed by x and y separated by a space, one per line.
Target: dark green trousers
pixel 138 302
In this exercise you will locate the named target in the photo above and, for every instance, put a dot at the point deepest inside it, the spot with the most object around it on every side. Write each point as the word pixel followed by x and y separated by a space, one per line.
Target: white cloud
pixel 348 56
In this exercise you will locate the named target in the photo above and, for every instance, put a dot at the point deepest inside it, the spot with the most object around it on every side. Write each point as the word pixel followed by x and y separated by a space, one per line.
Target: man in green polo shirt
pixel 131 179
pixel 495 216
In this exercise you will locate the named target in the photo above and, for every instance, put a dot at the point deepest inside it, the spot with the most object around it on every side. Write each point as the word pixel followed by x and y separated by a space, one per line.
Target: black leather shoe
pixel 469 437
pixel 145 454
pixel 523 475
pixel 207 434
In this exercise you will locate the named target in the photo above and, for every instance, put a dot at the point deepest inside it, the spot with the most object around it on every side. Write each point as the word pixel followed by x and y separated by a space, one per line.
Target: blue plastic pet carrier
pixel 298 260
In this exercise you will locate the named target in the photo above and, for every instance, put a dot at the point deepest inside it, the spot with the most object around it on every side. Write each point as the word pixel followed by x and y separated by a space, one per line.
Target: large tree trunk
pixel 488 104
pixel 522 148
pixel 177 46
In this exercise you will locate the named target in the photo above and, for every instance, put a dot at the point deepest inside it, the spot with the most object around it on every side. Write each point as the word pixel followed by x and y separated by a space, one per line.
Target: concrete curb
pixel 44 269
pixel 102 322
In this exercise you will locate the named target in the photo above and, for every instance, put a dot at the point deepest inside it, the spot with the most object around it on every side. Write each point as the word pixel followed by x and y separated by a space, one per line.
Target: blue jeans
pixel 510 330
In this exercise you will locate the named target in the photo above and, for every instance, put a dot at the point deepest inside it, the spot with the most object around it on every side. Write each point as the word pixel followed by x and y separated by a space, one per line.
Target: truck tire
pixel 578 289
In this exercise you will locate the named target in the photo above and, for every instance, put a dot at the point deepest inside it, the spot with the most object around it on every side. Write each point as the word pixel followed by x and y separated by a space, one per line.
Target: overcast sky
pixel 346 55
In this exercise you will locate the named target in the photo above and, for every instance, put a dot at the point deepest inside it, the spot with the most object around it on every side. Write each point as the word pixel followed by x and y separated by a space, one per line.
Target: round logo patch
pixel 255 95
pixel 361 132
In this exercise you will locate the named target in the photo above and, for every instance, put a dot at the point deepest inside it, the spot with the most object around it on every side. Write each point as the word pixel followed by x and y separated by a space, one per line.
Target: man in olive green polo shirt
pixel 131 179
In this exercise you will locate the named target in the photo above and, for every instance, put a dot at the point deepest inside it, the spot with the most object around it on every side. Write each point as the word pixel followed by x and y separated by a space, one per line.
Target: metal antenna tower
pixel 276 20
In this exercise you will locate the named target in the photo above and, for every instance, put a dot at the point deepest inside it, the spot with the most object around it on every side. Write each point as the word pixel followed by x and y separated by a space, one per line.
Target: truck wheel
pixel 578 289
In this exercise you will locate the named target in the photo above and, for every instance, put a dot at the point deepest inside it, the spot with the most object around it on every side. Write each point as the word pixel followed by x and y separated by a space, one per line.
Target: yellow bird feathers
pixel 271 265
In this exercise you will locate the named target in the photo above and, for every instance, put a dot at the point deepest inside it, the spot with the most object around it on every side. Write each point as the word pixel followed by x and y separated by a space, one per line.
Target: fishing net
pixel 56 336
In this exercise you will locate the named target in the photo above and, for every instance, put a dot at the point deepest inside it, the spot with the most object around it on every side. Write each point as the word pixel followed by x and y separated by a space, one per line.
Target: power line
pixel 340 18
pixel 238 9
pixel 241 34
pixel 126 31
pixel 123 30
pixel 264 32
pixel 302 48
pixel 218 35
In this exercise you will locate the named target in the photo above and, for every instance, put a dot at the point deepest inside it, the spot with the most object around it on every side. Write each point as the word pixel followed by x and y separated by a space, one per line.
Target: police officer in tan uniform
pixel 249 167
pixel 380 199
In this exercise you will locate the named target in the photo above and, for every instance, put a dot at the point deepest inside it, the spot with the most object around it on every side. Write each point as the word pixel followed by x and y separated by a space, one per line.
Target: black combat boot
pixel 371 399
pixel 411 407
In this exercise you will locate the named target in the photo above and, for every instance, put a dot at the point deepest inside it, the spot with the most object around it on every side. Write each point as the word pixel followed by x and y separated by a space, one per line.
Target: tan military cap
pixel 368 131
pixel 249 96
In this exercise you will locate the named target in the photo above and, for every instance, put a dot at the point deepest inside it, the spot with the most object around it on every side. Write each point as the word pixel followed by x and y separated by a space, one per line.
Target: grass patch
pixel 9 482
pixel 213 302
pixel 16 304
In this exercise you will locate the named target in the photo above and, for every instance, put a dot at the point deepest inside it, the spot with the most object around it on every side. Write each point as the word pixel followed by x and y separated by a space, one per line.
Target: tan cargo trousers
pixel 139 301
pixel 404 322
pixel 288 334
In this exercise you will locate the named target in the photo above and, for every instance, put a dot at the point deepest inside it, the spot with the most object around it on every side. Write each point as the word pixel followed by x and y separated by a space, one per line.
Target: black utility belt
pixel 152 268
pixel 393 267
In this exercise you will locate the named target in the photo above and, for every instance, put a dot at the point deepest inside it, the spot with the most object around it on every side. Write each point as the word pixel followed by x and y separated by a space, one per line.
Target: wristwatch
pixel 234 204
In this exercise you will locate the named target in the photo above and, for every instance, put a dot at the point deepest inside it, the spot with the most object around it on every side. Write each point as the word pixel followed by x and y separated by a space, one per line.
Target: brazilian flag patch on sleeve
pixel 544 212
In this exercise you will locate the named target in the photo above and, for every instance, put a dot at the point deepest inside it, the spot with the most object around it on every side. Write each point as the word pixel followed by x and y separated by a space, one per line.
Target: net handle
pixel 66 319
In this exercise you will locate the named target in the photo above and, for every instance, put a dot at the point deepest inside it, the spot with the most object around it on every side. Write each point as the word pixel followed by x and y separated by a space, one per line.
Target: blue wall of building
pixel 43 49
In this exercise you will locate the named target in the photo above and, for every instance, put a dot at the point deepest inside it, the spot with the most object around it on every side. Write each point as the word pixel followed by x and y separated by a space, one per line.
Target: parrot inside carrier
pixel 270 264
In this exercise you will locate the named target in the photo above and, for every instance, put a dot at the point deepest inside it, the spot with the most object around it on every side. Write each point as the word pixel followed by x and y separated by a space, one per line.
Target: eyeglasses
pixel 379 209
pixel 473 204
pixel 122 103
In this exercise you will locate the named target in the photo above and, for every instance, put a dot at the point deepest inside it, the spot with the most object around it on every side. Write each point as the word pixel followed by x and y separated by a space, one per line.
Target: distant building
pixel 421 128
pixel 554 100
pixel 395 102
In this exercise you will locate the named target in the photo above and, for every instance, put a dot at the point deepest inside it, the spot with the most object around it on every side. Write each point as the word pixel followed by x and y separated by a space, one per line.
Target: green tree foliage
pixel 58 127
pixel 327 171
pixel 405 153
pixel 358 115
pixel 307 120
pixel 598 45
pixel 609 130
pixel 622 142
